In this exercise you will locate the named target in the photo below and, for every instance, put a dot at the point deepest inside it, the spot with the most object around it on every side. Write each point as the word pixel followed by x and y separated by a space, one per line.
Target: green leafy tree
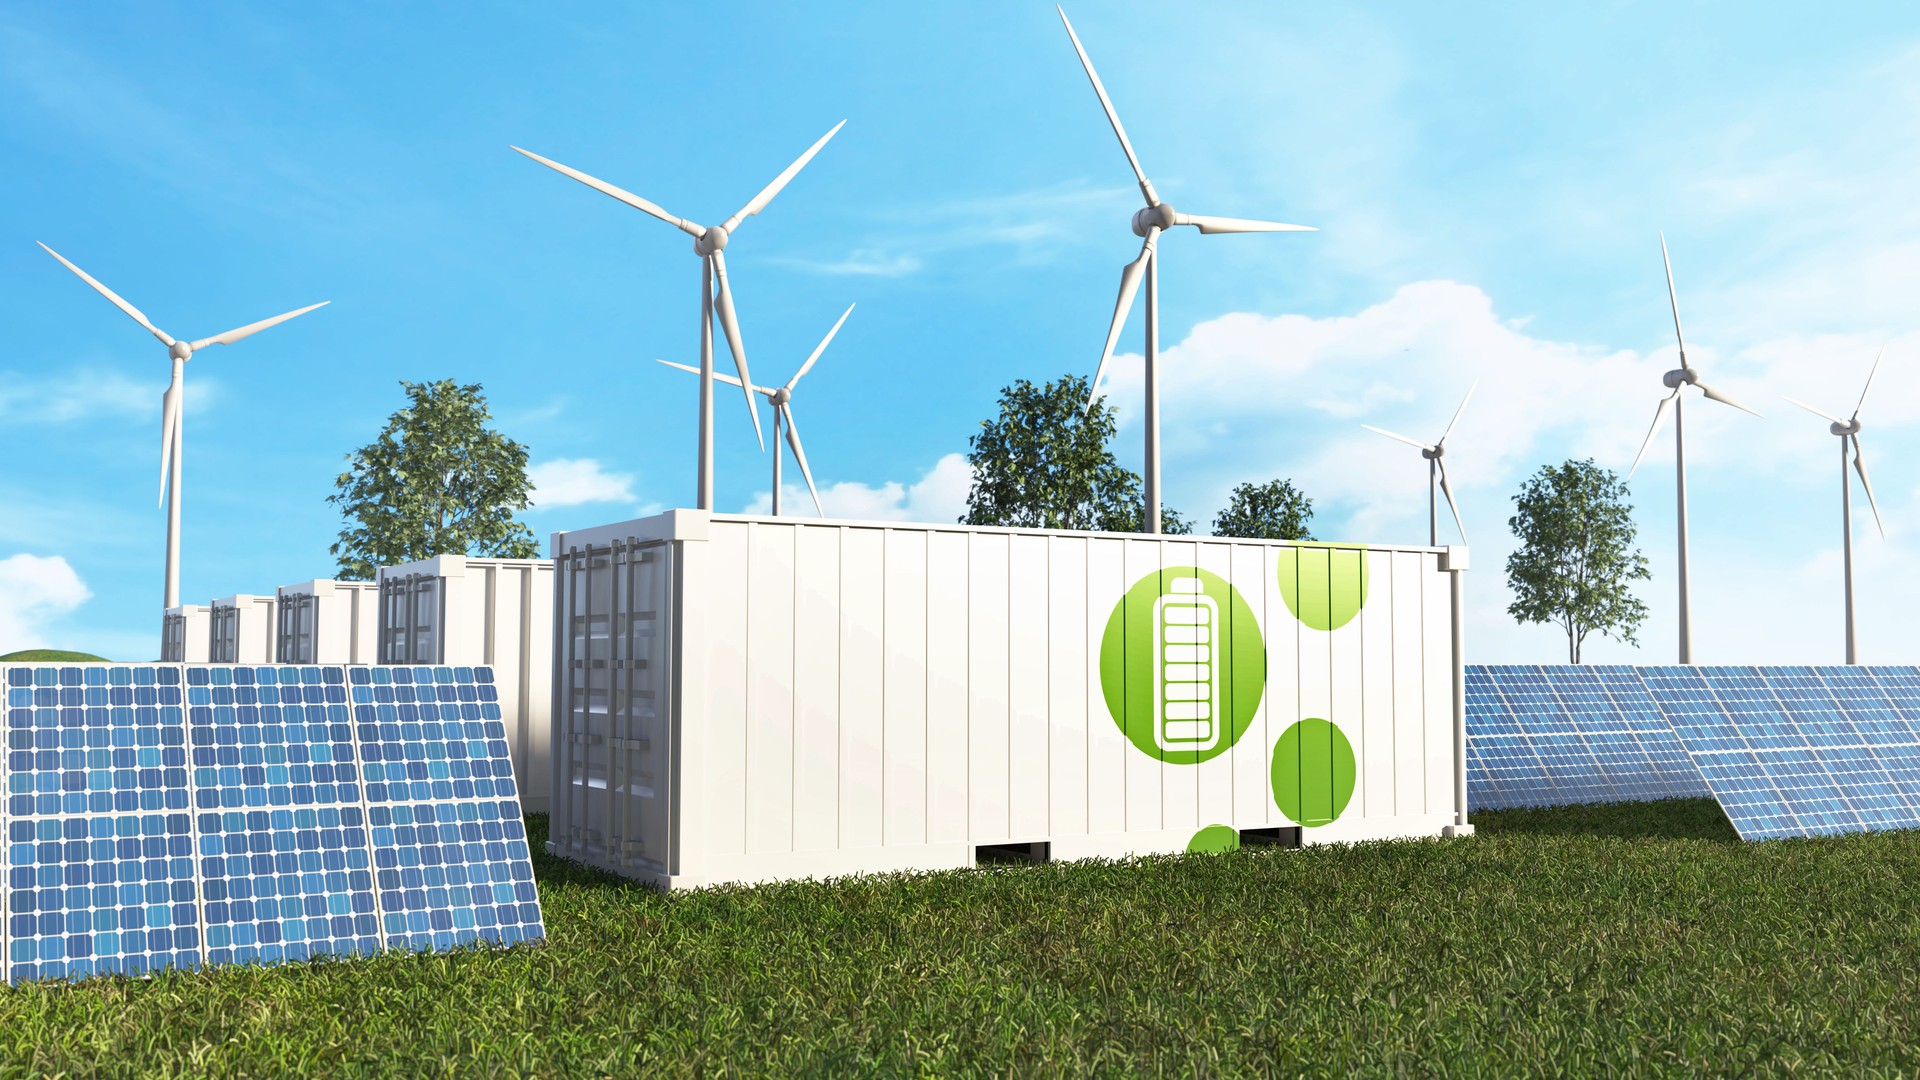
pixel 437 481
pixel 1275 510
pixel 1576 554
pixel 1044 464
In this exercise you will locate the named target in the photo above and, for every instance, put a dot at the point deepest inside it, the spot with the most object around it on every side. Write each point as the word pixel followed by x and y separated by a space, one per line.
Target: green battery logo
pixel 1186 671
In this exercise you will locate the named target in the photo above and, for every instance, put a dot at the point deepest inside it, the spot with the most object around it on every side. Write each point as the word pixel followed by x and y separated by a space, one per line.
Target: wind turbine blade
pixel 622 194
pixel 1723 399
pixel 1402 438
pixel 1659 417
pixel 820 348
pixel 1129 285
pixel 1210 225
pixel 1674 299
pixel 251 329
pixel 1860 466
pixel 1447 490
pixel 1811 409
pixel 1870 374
pixel 721 375
pixel 1457 412
pixel 759 202
pixel 1146 186
pixel 168 405
pixel 111 295
pixel 793 440
pixel 730 325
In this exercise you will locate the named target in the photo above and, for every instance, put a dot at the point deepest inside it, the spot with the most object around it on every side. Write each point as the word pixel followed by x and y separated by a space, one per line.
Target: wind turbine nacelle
pixel 180 350
pixel 1675 379
pixel 710 241
pixel 1150 216
pixel 1432 453
pixel 1844 428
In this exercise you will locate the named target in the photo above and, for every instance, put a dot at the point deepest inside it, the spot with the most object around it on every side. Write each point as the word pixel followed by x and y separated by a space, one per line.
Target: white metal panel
pixel 770 639
pixel 906 639
pixel 1374 749
pixel 948 588
pixel 1347 667
pixel 1409 683
pixel 185 632
pixel 862 764
pixel 1073 683
pixel 1108 750
pixel 1316 645
pixel 1252 756
pixel 1029 612
pixel 1211 801
pixel 1144 795
pixel 987 706
pixel 817 708
pixel 723 603
pixel 1437 729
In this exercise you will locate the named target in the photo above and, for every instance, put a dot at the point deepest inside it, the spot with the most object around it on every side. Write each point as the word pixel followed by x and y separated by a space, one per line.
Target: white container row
pixel 447 610
pixel 746 699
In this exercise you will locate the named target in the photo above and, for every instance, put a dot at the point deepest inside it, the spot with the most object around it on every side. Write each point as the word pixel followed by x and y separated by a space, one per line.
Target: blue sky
pixel 1489 180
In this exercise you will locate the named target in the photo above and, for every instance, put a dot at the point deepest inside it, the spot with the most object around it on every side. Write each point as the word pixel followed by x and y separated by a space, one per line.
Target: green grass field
pixel 51 656
pixel 1640 939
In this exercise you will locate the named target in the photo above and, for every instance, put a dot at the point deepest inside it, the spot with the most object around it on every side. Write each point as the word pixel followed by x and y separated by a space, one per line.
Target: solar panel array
pixel 1551 735
pixel 1787 751
pixel 168 816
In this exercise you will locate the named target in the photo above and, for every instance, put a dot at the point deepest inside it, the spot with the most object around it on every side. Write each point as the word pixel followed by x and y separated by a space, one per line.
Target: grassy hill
pixel 55 655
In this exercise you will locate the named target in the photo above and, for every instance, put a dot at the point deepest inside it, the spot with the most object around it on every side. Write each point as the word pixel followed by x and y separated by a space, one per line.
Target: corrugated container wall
pixel 329 622
pixel 499 612
pixel 184 634
pixel 241 630
pixel 746 698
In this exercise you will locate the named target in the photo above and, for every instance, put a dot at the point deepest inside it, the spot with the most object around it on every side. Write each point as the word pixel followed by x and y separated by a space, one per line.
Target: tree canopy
pixel 436 481
pixel 1275 510
pixel 1044 463
pixel 1576 554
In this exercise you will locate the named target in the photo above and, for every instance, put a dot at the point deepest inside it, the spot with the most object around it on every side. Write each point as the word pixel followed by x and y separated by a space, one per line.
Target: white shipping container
pixel 184 634
pixel 741 698
pixel 241 630
pixel 496 612
pixel 329 622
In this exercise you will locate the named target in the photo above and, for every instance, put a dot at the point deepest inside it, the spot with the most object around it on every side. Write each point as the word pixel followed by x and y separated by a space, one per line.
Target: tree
pixel 1045 464
pixel 1275 510
pixel 1576 554
pixel 435 482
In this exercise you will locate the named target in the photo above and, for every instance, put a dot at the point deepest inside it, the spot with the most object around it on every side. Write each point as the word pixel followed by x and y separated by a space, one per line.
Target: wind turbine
pixel 1678 380
pixel 1436 469
pixel 782 400
pixel 1156 217
pixel 1849 431
pixel 708 242
pixel 173 407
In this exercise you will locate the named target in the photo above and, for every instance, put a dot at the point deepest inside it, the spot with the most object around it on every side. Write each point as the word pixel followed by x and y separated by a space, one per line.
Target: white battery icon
pixel 1186 668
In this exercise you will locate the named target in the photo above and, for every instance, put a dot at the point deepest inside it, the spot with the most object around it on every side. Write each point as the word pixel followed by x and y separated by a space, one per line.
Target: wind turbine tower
pixel 1678 380
pixel 1849 432
pixel 1156 217
pixel 173 407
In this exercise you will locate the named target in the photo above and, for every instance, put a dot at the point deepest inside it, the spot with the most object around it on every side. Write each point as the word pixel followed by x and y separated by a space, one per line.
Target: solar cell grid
pixel 165 816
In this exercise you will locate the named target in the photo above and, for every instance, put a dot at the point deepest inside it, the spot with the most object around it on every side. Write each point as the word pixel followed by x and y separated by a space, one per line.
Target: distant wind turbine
pixel 173 407
pixel 782 400
pixel 708 242
pixel 1149 222
pixel 1436 470
pixel 1678 380
pixel 1849 432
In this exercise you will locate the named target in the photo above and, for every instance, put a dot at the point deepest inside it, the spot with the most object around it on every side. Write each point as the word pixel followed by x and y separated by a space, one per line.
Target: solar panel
pixel 165 816
pixel 1558 735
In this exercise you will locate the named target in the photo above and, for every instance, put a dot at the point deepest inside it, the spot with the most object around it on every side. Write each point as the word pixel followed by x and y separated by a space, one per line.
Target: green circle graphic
pixel 1312 772
pixel 1325 585
pixel 1215 838
pixel 1198 701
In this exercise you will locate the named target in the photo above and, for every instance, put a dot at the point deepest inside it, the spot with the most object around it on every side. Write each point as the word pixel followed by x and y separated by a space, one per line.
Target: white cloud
pixel 939 496
pixel 34 592
pixel 572 481
pixel 863 262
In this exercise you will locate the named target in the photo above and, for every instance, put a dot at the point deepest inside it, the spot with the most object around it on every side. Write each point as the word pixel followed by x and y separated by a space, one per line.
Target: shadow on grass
pixel 1668 819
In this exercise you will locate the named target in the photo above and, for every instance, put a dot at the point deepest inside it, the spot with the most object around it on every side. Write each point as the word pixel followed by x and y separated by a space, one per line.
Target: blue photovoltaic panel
pixel 1557 735
pixel 160 815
